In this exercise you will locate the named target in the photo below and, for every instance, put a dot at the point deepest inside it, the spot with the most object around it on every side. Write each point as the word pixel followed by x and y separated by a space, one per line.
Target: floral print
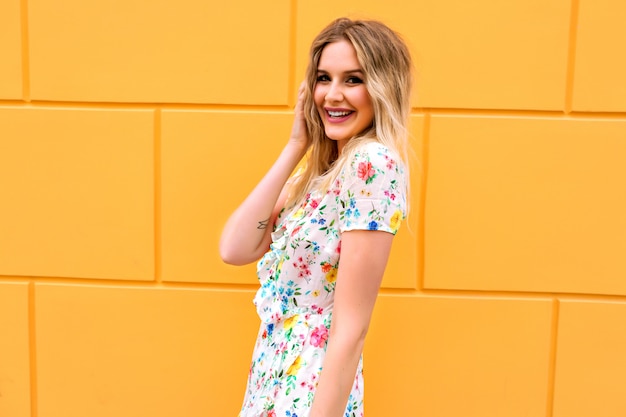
pixel 298 276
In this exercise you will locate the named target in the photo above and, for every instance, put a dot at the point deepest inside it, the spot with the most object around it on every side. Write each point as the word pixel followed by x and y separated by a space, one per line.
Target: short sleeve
pixel 373 191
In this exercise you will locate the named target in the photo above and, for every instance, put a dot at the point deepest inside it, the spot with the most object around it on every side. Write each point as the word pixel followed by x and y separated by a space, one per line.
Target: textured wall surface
pixel 130 129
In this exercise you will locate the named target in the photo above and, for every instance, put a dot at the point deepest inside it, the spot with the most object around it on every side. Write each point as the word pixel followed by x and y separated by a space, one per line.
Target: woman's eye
pixel 323 77
pixel 355 80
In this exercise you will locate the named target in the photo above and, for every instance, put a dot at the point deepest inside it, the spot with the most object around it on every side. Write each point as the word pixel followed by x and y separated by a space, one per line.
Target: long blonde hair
pixel 386 64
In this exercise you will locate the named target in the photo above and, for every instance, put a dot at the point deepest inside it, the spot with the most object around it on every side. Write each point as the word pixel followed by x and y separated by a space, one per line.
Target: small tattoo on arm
pixel 263 224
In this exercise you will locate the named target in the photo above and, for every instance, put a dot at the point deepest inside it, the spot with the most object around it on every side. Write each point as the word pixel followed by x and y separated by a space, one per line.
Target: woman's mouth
pixel 338 115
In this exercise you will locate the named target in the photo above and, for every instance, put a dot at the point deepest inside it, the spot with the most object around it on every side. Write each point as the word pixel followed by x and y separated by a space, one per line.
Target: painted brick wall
pixel 130 129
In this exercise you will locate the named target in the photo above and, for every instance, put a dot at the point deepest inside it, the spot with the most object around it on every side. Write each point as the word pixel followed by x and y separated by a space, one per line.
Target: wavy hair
pixel 386 64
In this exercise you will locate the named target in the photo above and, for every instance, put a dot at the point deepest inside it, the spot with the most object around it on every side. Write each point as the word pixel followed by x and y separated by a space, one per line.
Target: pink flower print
pixel 318 310
pixel 303 268
pixel 296 230
pixel 315 203
pixel 336 188
pixel 319 336
pixel 365 171
pixel 392 196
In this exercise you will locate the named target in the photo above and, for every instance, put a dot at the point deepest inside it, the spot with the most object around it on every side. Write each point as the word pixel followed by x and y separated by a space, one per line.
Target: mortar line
pixel 251 286
pixel 158 250
pixel 122 283
pixel 507 294
pixel 571 56
pixel 287 109
pixel 292 89
pixel 517 113
pixel 421 232
pixel 115 105
pixel 25 51
pixel 32 353
pixel 554 333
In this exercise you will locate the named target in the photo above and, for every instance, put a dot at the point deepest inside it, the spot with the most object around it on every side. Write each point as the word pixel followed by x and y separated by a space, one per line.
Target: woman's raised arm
pixel 246 235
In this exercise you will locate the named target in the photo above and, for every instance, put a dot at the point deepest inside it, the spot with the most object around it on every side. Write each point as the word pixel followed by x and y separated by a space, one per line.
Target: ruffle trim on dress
pixel 267 270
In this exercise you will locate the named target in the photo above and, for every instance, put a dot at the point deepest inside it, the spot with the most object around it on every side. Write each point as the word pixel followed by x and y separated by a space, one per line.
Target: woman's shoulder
pixel 372 164
pixel 373 189
pixel 376 154
pixel 372 147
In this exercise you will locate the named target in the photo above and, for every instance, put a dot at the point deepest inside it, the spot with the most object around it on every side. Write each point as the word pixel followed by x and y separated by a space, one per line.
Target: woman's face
pixel 340 95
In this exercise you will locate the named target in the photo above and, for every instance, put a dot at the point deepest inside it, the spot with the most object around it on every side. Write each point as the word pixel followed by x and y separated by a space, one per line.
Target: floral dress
pixel 298 276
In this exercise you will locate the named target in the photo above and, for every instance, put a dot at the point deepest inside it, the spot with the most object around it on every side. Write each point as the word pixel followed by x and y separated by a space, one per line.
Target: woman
pixel 324 235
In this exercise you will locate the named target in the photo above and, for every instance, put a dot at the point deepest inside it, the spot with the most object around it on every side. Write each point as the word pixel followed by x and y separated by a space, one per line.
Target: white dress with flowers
pixel 298 274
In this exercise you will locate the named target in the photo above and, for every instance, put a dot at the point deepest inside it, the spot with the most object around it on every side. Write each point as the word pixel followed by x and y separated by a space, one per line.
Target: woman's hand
pixel 299 134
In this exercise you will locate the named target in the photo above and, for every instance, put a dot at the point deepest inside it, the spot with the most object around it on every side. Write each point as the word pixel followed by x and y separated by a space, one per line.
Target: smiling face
pixel 340 95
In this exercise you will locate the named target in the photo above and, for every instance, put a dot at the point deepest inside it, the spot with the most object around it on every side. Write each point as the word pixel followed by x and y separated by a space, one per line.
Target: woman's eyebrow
pixel 354 71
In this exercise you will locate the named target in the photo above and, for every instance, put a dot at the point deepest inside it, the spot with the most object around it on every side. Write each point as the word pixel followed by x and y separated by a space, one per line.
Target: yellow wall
pixel 129 130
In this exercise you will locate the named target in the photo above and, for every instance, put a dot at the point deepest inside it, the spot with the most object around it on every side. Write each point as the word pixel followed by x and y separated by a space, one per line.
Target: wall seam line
pixel 293 50
pixel 25 51
pixel 552 358
pixel 32 336
pixel 571 56
pixel 117 105
pixel 423 164
pixel 158 249
pixel 287 109
pixel 397 291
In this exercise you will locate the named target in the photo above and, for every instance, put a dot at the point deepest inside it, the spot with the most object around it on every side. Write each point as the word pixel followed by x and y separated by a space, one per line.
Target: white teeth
pixel 338 113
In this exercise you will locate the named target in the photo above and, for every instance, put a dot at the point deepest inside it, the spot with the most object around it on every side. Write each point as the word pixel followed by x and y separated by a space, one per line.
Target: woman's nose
pixel 334 93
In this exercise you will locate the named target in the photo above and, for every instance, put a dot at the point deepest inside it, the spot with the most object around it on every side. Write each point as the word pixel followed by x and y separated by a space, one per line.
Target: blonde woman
pixel 322 237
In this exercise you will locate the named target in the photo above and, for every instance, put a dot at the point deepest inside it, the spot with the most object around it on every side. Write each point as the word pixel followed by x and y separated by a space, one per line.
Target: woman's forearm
pixel 338 375
pixel 246 234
